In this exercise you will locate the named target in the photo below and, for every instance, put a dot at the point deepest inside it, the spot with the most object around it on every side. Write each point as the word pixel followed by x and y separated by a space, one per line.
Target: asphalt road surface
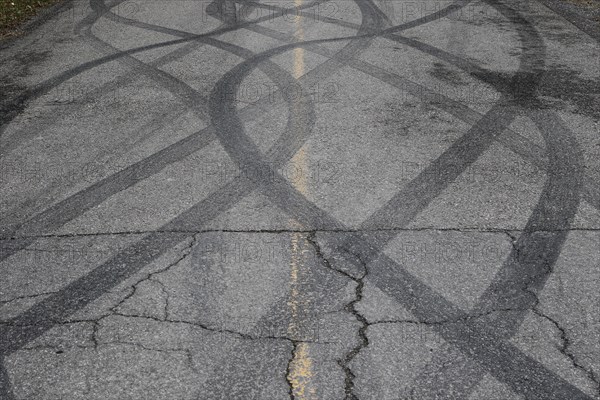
pixel 307 199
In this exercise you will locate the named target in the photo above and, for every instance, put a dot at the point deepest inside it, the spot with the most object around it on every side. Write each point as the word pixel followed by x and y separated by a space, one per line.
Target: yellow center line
pixel 301 367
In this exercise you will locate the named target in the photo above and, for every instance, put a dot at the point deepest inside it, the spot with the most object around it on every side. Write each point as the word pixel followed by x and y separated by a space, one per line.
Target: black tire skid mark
pixel 534 254
pixel 85 25
pixel 589 194
pixel 50 83
pixel 101 189
pixel 467 146
pixel 284 149
pixel 530 264
pixel 241 148
pixel 543 248
pixel 251 5
pixel 75 205
pixel 544 251
pixel 47 85
pixel 409 284
pixel 65 211
pixel 190 97
pixel 526 149
pixel 325 68
pixel 463 153
pixel 5 383
pixel 552 246
pixel 522 146
pixel 41 89
pixel 525 271
pixel 271 69
pixel 244 151
pixel 280 77
pixel 93 285
pixel 586 26
pixel 100 10
pixel 513 141
pixel 339 59
pixel 83 290
pixel 50 117
pixel 173 239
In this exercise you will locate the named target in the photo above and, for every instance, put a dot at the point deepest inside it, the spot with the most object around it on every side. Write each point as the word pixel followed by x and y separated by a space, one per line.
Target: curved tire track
pixel 299 204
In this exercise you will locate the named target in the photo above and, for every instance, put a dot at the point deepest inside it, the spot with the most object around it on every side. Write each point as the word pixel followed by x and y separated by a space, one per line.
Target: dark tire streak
pixel 66 210
pixel 5 384
pixel 467 337
pixel 528 267
pixel 76 205
pixel 591 28
pixel 525 271
pixel 522 146
pixel 44 315
pixel 241 148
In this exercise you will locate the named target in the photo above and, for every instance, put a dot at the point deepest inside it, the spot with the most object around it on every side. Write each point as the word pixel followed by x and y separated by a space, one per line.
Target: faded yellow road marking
pixel 301 368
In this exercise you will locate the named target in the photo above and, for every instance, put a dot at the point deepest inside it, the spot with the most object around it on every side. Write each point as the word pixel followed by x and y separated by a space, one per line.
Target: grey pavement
pixel 307 199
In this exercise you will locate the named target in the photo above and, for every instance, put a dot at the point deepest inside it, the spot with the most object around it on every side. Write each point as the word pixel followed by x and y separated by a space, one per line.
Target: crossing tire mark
pixel 307 211
pixel 587 26
pixel 43 316
pixel 243 150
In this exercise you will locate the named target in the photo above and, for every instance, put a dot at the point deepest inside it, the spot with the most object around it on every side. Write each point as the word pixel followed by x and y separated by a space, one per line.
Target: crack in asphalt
pixel 166 297
pixel 564 338
pixel 518 256
pixel 564 348
pixel 350 308
pixel 151 276
pixel 113 310
pixel 308 231
pixel 288 370
pixel 97 322
pixel 362 333
pixel 133 288
pixel 24 297
pixel 445 321
pixel 363 339
pixel 209 328
pixel 94 334
pixel 59 349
